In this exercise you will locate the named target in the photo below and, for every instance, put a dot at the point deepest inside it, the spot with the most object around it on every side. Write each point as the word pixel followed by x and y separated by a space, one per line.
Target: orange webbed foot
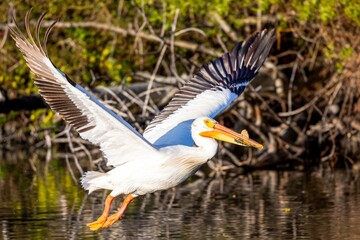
pixel 96 225
pixel 111 220
pixel 115 217
pixel 104 216
pixel 104 220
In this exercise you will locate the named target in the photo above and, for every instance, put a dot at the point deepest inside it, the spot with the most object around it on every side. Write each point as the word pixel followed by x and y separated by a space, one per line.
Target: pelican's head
pixel 205 127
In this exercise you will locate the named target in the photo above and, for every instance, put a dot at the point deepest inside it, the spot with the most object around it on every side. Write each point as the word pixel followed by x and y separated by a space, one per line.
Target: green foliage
pixel 264 5
pixel 344 54
pixel 42 118
pixel 186 8
pixel 327 10
pixel 352 10
pixel 12 116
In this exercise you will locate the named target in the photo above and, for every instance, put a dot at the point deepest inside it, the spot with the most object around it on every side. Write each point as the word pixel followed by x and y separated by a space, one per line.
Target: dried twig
pixel 127 32
pixel 146 102
pixel 225 27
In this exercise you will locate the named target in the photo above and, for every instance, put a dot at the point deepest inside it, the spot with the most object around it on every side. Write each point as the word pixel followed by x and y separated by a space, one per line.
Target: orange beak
pixel 227 135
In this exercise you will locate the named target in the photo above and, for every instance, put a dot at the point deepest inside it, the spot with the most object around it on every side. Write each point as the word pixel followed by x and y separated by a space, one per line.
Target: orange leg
pixel 115 217
pixel 104 216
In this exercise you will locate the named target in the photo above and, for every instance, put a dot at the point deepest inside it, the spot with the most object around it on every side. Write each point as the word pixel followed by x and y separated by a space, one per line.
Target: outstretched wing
pixel 210 91
pixel 119 141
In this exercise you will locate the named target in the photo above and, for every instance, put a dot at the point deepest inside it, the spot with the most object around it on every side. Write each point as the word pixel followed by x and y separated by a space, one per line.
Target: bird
pixel 174 145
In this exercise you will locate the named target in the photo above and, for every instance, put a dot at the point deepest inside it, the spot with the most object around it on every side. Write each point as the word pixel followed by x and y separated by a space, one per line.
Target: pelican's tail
pixel 92 181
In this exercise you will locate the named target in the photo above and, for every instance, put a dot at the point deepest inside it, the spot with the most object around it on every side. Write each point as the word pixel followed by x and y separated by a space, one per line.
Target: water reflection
pixel 40 202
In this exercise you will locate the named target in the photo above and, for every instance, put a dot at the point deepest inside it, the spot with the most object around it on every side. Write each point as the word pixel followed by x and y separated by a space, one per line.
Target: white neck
pixel 206 147
pixel 192 158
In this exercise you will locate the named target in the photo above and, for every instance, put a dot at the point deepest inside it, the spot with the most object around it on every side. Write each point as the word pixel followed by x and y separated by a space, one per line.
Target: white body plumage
pixel 166 168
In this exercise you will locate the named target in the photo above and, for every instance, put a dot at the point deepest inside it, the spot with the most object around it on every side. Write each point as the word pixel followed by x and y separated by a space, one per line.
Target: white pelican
pixel 175 144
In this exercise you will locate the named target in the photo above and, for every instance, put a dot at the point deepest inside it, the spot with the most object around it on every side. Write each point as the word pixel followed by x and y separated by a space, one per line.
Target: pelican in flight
pixel 175 144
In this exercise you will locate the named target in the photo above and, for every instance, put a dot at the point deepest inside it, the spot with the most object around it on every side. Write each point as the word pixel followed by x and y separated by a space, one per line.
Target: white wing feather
pixel 119 142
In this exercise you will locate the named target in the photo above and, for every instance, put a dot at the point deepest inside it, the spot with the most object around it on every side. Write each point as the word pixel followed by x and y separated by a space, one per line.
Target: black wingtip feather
pixel 249 58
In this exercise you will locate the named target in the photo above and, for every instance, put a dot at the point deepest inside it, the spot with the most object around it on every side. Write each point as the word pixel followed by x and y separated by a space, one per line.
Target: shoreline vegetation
pixel 304 105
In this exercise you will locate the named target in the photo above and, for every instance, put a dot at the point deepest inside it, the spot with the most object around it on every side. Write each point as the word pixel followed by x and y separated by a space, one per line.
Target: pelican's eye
pixel 209 123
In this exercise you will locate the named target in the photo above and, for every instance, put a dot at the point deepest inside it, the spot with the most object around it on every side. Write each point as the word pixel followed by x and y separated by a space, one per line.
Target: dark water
pixel 40 200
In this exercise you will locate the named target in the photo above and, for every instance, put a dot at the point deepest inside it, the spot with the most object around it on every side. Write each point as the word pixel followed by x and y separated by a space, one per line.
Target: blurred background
pixel 303 106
